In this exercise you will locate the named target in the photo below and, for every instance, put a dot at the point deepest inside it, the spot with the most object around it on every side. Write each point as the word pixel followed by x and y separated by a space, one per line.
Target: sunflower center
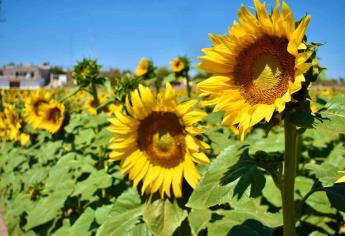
pixel 54 114
pixel 163 141
pixel 264 69
pixel 161 136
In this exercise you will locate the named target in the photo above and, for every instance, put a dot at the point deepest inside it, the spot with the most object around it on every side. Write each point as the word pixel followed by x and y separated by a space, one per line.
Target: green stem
pixel 73 92
pixel 94 93
pixel 290 166
pixel 189 89
pixel 102 106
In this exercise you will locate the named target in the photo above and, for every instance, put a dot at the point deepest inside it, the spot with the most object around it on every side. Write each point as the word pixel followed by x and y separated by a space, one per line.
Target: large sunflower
pixel 156 142
pixel 32 106
pixel 51 116
pixel 257 66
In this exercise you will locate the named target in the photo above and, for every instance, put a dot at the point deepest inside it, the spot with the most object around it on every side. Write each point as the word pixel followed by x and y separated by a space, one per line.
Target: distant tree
pixel 57 70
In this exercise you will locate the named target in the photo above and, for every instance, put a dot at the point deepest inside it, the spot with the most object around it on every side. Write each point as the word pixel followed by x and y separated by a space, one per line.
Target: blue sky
pixel 119 32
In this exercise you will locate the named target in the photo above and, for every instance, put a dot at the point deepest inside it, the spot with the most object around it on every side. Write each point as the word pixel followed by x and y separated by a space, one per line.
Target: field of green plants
pixel 248 150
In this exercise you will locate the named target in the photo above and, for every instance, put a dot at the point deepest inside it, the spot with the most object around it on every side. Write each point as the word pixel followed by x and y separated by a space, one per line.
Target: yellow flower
pixel 313 107
pixel 342 179
pixel 177 65
pixel 90 106
pixel 32 106
pixel 143 67
pixel 51 116
pixel 24 139
pixel 327 92
pixel 109 109
pixel 157 142
pixel 11 123
pixel 257 66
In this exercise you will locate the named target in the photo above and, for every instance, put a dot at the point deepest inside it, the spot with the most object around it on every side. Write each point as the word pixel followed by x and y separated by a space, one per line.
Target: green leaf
pixel 64 229
pixel 198 220
pixel 273 142
pixel 251 228
pixel 327 172
pixel 320 222
pixel 302 119
pixel 84 136
pixel 140 230
pixel 333 115
pixel 244 210
pixel 83 223
pixel 210 191
pixel 97 180
pixel 302 186
pixel 245 170
pixel 320 203
pixel 214 118
pixel 123 217
pixel 317 233
pixel 220 138
pixel 102 213
pixel 336 195
pixel 49 207
pixel 163 217
pixel 271 192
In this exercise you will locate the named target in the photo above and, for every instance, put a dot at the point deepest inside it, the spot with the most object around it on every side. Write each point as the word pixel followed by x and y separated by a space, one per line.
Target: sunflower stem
pixel 290 166
pixel 94 94
pixel 189 89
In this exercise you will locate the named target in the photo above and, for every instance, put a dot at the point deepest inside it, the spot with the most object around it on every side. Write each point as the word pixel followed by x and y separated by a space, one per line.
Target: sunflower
pixel 32 106
pixel 177 65
pixel 109 109
pixel 143 67
pixel 90 106
pixel 257 66
pixel 51 116
pixel 156 142
pixel 24 139
pixel 11 123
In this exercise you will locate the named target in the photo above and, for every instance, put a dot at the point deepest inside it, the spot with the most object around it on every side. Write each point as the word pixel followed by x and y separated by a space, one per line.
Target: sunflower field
pixel 248 149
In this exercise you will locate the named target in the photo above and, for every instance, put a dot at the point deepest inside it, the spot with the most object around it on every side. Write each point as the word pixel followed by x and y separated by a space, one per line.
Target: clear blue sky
pixel 119 32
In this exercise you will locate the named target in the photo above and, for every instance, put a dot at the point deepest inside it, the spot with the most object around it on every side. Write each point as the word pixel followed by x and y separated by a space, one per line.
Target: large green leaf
pixel 210 191
pixel 124 216
pixel 320 203
pixel 259 141
pixel 47 208
pixel 163 217
pixel 97 180
pixel 327 172
pixel 271 192
pixel 198 220
pixel 251 227
pixel 244 210
pixel 333 116
pixel 83 224
pixel 248 174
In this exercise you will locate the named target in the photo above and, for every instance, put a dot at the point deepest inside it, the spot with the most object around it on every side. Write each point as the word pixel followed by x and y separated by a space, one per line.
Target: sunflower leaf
pixel 333 116
pixel 210 191
pixel 123 217
pixel 163 217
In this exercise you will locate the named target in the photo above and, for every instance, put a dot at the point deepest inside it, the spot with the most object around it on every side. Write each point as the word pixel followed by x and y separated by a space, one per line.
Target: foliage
pixel 64 184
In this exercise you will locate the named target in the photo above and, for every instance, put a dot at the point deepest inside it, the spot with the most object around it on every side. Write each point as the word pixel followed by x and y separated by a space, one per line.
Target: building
pixel 24 76
pixel 58 80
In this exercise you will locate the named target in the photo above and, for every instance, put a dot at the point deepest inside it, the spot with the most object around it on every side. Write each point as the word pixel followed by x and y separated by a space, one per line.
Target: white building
pixel 24 76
